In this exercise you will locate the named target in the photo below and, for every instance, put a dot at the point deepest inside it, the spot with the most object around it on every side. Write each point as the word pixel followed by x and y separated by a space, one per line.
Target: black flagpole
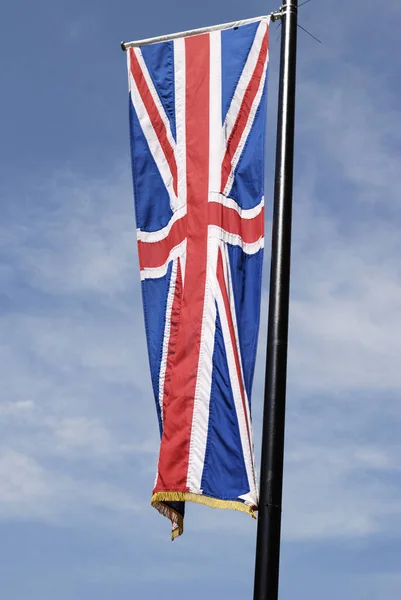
pixel 271 478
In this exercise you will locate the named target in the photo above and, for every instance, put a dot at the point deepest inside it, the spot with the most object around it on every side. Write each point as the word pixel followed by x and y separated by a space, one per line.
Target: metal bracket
pixel 276 16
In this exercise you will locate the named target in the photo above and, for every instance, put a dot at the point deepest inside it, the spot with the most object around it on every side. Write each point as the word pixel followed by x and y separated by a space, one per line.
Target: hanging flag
pixel 197 122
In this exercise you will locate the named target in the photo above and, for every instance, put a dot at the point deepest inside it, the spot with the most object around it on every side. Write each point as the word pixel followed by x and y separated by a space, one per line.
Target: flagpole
pixel 271 479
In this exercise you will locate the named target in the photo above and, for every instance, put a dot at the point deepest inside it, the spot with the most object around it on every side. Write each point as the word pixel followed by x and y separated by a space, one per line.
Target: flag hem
pixel 177 520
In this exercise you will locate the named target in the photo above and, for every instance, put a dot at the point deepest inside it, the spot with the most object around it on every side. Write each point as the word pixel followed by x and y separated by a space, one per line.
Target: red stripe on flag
pixel 172 343
pixel 155 254
pixel 227 307
pixel 175 445
pixel 244 112
pixel 250 230
pixel 154 115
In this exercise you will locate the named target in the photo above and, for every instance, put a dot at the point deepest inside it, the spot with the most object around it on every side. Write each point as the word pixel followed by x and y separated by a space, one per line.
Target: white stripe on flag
pixel 246 75
pixel 244 213
pixel 245 442
pixel 156 272
pixel 161 234
pixel 235 240
pixel 155 95
pixel 216 137
pixel 230 290
pixel 200 421
pixel 180 125
pixel 152 140
pixel 245 133
pixel 166 337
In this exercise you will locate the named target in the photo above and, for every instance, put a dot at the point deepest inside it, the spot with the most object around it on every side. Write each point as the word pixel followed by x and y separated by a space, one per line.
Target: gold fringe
pixel 170 513
pixel 159 497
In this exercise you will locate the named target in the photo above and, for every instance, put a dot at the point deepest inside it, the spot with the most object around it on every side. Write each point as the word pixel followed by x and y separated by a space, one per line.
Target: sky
pixel 78 427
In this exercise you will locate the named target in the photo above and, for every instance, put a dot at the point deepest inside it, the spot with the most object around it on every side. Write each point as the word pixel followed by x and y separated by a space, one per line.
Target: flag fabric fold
pixel 197 121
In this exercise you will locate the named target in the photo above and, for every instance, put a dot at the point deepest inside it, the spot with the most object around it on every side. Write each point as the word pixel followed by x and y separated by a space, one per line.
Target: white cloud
pixel 83 435
pixel 30 491
pixel 80 236
pixel 21 479
pixel 340 490
pixel 20 409
pixel 342 472
pixel 73 363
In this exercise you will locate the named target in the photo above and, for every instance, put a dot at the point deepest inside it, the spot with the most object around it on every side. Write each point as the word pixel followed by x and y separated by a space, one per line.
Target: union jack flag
pixel 197 123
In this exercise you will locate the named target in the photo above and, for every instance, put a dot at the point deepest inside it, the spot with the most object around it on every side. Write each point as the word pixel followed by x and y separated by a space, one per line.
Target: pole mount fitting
pixel 279 14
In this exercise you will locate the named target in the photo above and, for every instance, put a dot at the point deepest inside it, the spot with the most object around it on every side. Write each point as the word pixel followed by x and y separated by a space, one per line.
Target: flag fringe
pixel 176 519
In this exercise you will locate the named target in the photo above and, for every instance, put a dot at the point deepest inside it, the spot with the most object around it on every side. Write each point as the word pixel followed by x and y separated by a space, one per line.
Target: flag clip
pixel 275 16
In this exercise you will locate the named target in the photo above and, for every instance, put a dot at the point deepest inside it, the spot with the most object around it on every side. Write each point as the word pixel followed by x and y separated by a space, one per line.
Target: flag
pixel 197 123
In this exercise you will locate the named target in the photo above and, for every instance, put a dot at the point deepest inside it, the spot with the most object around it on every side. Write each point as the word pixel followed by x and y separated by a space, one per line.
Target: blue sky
pixel 78 427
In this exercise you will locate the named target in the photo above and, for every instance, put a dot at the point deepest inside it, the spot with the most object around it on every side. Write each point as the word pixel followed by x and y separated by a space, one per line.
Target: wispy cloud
pixel 342 472
pixel 74 367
